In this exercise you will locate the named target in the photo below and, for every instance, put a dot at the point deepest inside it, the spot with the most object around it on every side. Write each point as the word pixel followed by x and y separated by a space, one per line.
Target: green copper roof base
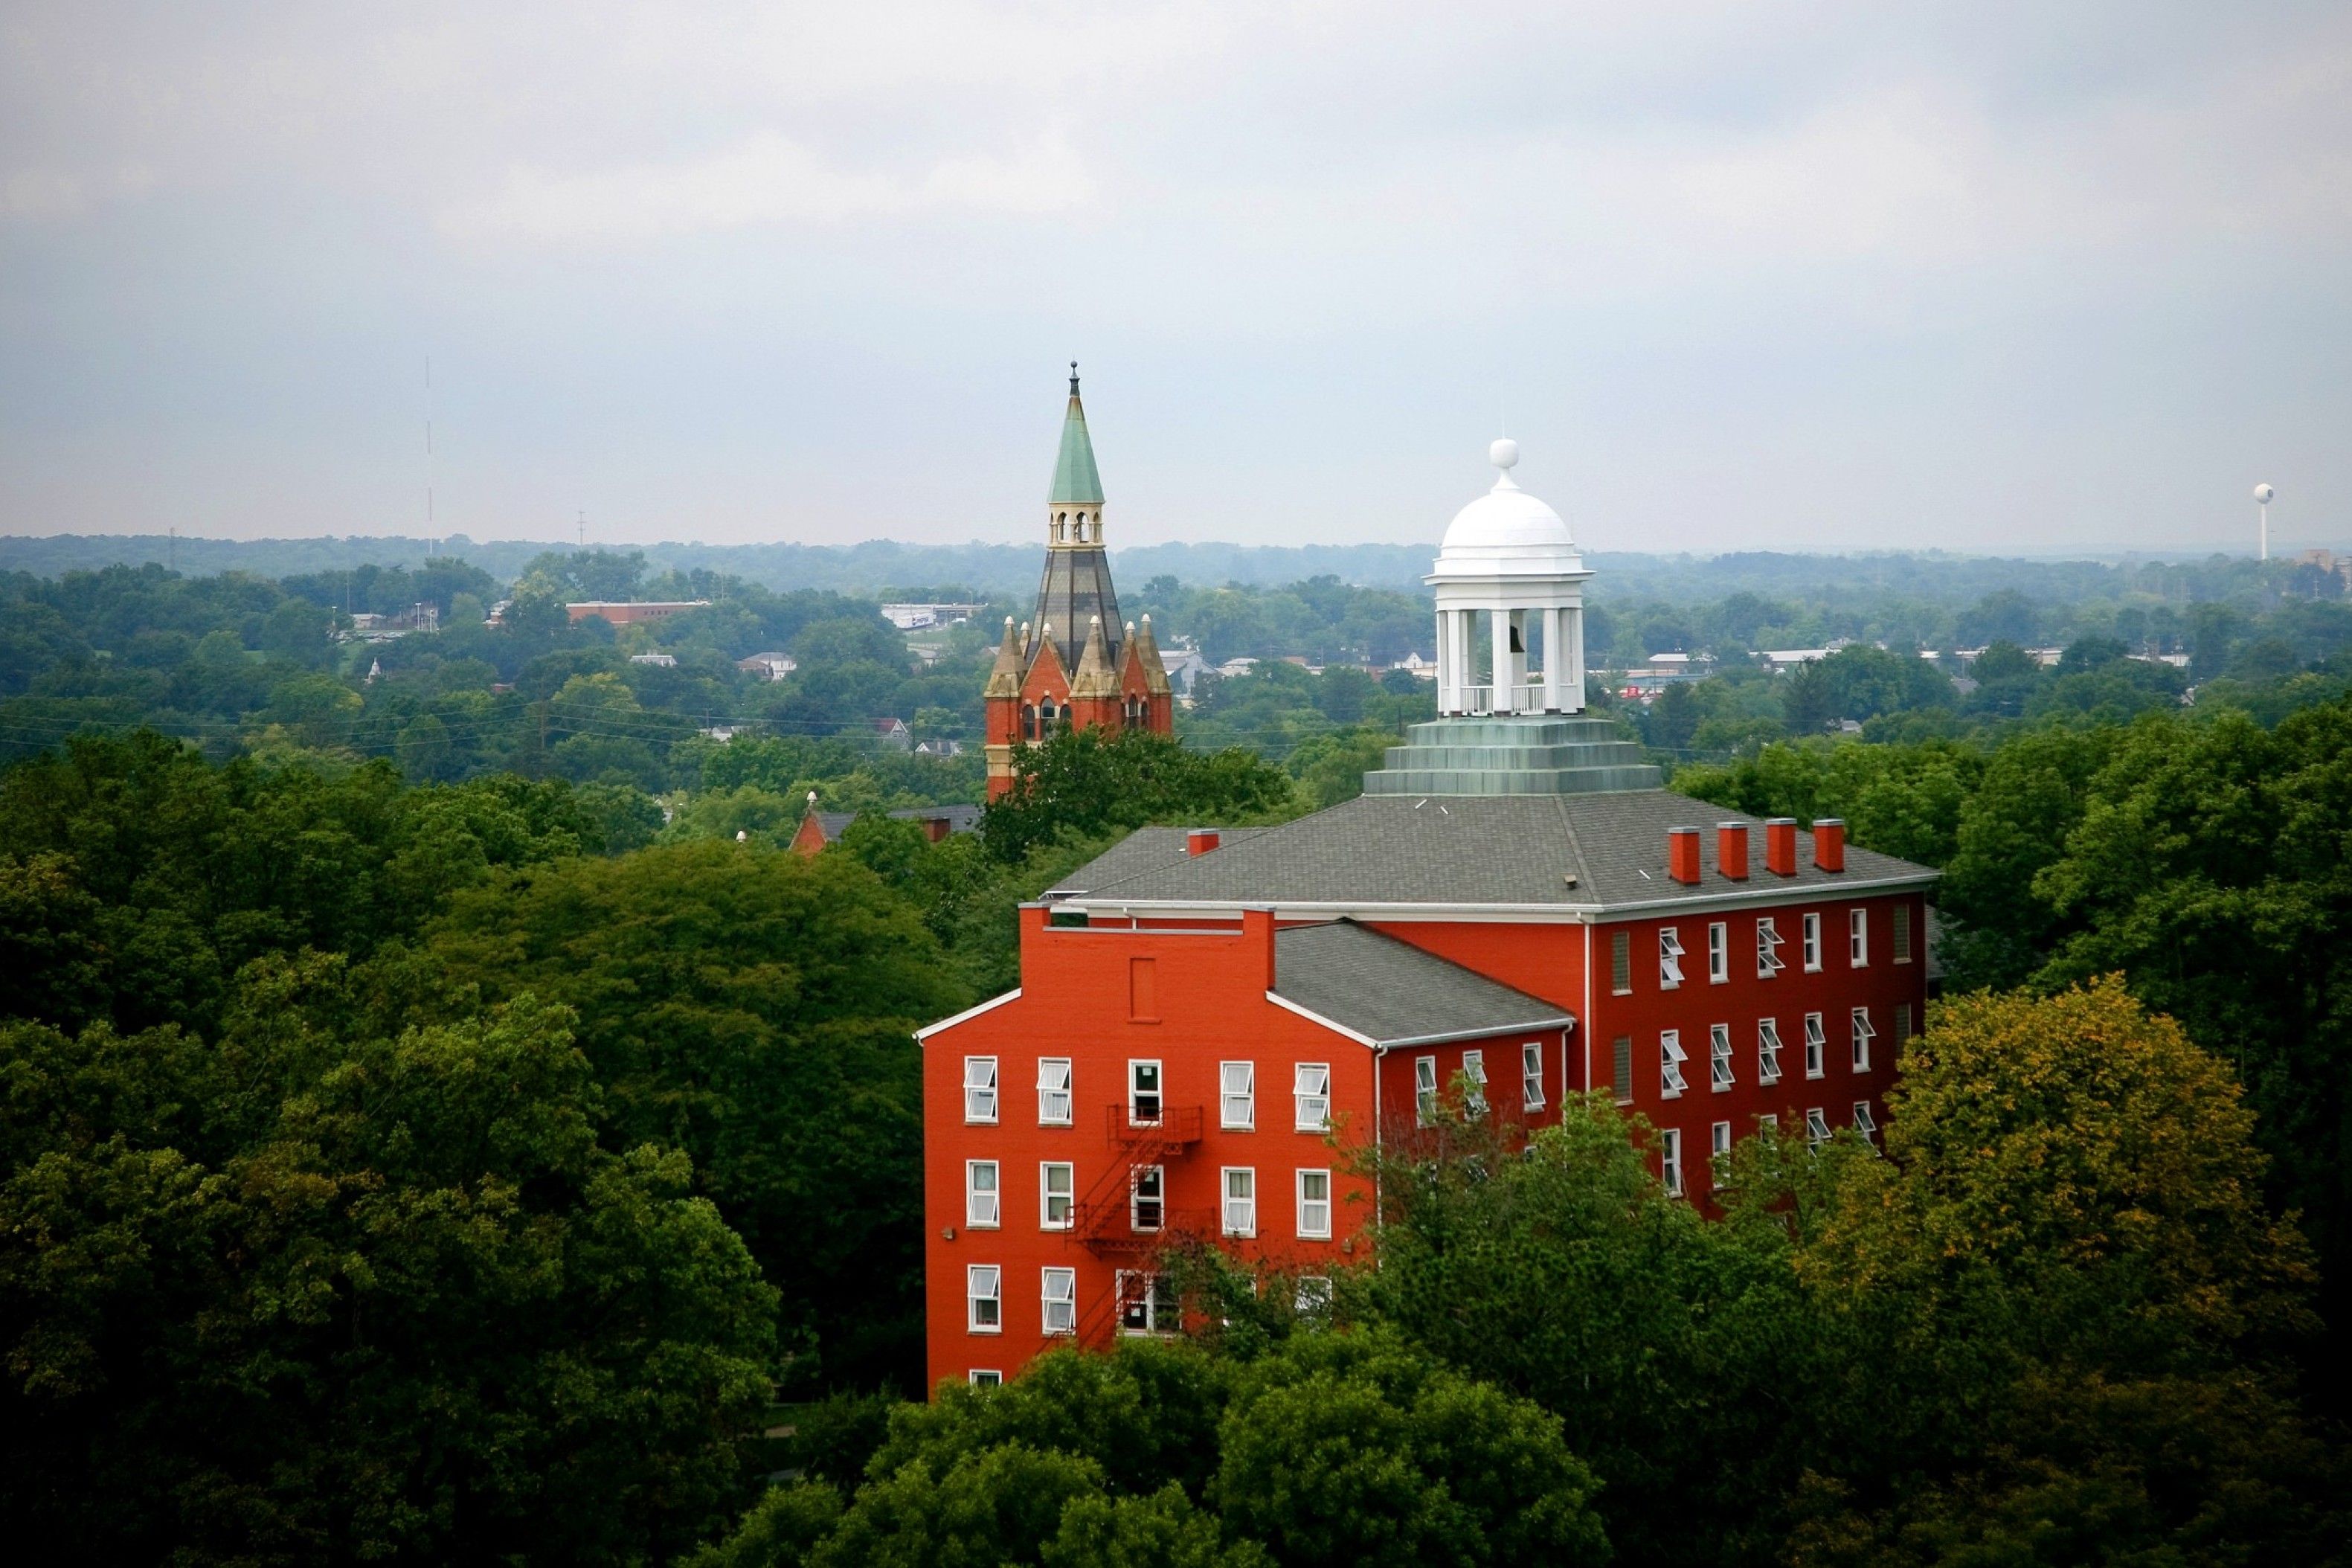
pixel 1530 755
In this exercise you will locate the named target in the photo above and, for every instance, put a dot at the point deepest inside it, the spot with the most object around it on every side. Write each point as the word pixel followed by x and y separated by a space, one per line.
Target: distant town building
pixel 767 665
pixel 915 617
pixel 820 829
pixel 634 613
pixel 1074 665
pixel 658 661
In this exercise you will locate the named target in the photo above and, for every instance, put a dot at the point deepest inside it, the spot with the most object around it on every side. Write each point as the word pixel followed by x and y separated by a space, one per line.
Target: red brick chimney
pixel 1731 849
pixel 1201 840
pixel 1682 853
pixel 1257 940
pixel 1780 845
pixel 1829 844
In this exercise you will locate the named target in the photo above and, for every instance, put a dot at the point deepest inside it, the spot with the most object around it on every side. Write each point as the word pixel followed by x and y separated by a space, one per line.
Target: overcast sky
pixel 1984 276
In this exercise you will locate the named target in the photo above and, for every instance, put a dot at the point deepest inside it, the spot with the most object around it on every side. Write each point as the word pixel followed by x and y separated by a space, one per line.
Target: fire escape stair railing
pixel 1101 1220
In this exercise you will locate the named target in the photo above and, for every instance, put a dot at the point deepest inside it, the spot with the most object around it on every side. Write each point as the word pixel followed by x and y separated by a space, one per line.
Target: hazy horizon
pixel 1999 279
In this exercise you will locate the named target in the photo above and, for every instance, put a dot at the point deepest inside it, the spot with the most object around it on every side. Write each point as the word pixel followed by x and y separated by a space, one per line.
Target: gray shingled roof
pixel 959 818
pixel 1145 849
pixel 1394 993
pixel 1462 849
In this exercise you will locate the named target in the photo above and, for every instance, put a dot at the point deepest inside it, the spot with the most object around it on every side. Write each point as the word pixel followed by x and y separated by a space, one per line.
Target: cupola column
pixel 1499 698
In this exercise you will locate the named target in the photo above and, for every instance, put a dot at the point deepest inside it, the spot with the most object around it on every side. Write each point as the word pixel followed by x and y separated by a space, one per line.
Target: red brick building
pixel 1208 1020
pixel 1073 665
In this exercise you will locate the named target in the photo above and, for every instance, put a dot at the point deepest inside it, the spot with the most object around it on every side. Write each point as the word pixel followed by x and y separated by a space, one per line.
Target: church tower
pixel 1075 664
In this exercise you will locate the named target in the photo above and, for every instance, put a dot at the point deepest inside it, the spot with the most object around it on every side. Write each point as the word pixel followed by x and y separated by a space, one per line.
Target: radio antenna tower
pixel 428 455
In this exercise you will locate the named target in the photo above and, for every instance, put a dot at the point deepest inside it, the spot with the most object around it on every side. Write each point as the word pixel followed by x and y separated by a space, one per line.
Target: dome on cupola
pixel 1507 532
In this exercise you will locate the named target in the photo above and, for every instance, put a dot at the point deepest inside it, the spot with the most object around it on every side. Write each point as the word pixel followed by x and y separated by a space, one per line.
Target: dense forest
pixel 494 1146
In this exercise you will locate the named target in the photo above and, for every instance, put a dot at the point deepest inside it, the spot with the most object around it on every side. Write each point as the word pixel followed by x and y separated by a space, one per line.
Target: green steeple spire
pixel 1075 479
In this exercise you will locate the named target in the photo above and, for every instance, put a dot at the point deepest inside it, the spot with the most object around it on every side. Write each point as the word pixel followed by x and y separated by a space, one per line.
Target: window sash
pixel 1531 1089
pixel 1670 958
pixel 983 1294
pixel 1241 1201
pixel 984 1377
pixel 1670 1160
pixel 1474 1068
pixel 982 1194
pixel 1054 1105
pixel 1059 1289
pixel 1424 1090
pixel 1314 1205
pixel 1143 1093
pixel 1862 1034
pixel 1817 1127
pixel 1816 1046
pixel 1670 1064
pixel 1058 1189
pixel 980 1089
pixel 1719 1137
pixel 1147 1306
pixel 1864 1122
pixel 1311 1294
pixel 1311 1089
pixel 1767 1050
pixel 1768 949
pixel 1857 938
pixel 1811 930
pixel 1719 952
pixel 1718 1057
pixel 1237 1096
pixel 1147 1198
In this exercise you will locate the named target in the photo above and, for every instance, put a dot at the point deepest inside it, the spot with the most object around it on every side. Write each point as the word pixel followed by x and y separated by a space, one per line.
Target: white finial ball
pixel 1504 453
pixel 2263 493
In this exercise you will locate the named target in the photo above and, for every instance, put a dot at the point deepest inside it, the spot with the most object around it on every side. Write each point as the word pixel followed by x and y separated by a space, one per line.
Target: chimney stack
pixel 1201 840
pixel 1780 845
pixel 1731 849
pixel 1829 844
pixel 1682 853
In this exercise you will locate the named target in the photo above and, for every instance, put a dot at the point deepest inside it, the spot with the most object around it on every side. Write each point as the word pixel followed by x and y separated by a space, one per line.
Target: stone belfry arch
pixel 1074 663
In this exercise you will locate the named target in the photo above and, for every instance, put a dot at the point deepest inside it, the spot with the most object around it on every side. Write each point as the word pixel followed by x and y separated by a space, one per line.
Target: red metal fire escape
pixel 1105 1220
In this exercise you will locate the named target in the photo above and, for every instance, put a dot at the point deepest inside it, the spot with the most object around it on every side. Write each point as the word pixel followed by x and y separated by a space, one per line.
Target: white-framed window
pixel 1670 1160
pixel 1054 1091
pixel 1718 1057
pixel 984 1377
pixel 1312 1295
pixel 1314 1205
pixel 1424 1090
pixel 983 1299
pixel 1817 1127
pixel 1811 927
pixel 1719 952
pixel 1816 1046
pixel 1768 948
pixel 1862 1034
pixel 1241 1201
pixel 1670 958
pixel 1865 1122
pixel 1531 1094
pixel 1901 945
pixel 1474 1093
pixel 1857 938
pixel 1670 1064
pixel 1144 1094
pixel 1767 1121
pixel 1059 1289
pixel 1310 1097
pixel 1147 1198
pixel 1768 1051
pixel 980 1091
pixel 1058 1194
pixel 982 1194
pixel 1720 1139
pixel 1147 1305
pixel 1237 1096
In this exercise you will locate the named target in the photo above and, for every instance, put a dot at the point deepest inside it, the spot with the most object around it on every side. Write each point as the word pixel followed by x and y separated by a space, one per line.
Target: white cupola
pixel 1510 558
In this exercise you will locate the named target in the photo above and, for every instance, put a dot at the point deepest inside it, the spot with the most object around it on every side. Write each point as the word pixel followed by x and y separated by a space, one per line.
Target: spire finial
pixel 1073 378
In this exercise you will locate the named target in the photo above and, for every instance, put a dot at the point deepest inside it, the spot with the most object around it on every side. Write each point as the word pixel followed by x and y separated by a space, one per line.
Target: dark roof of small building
pixel 1145 849
pixel 831 823
pixel 959 818
pixel 1569 850
pixel 1393 993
